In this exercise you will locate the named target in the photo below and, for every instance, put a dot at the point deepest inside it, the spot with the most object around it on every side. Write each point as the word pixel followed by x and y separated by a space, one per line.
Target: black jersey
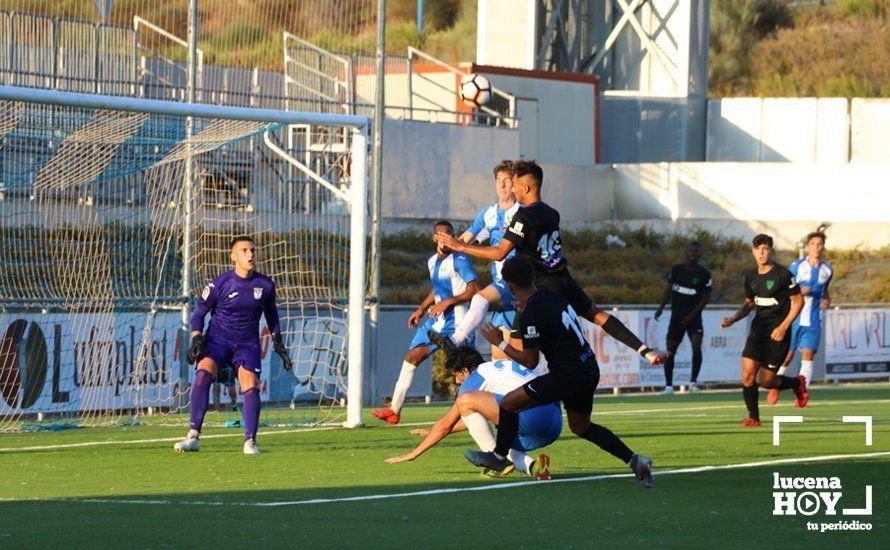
pixel 687 288
pixel 771 293
pixel 550 324
pixel 535 232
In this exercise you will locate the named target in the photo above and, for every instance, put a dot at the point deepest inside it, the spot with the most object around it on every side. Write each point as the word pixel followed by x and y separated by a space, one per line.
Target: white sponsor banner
pixel 622 367
pixel 61 362
pixel 857 343
pixel 619 365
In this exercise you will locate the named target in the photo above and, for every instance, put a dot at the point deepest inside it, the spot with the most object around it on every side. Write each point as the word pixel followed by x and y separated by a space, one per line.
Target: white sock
pixel 781 371
pixel 193 434
pixel 480 431
pixel 471 319
pixel 522 461
pixel 806 370
pixel 402 385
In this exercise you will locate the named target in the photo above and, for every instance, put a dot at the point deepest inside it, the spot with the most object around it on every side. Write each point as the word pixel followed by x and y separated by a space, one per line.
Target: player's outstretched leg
pixel 605 439
pixel 198 401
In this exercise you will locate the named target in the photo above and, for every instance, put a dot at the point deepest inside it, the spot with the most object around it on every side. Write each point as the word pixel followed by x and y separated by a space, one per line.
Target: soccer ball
pixel 475 90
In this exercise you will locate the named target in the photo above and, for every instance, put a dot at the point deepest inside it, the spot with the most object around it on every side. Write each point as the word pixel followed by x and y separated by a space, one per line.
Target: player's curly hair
pixel 462 358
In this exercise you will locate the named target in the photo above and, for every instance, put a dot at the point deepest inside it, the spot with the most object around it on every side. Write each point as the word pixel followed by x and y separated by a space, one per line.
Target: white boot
pixel 188 445
pixel 250 447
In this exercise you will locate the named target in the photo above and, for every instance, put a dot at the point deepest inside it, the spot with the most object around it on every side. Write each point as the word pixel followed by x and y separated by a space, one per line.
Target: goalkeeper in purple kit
pixel 235 301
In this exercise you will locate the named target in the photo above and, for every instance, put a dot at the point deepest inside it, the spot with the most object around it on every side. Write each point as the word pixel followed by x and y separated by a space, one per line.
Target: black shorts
pixel 225 375
pixel 561 281
pixel 763 349
pixel 675 331
pixel 576 395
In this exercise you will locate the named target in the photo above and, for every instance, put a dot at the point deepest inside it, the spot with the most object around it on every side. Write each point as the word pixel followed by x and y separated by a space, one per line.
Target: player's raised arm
pixel 438 432
pixel 492 253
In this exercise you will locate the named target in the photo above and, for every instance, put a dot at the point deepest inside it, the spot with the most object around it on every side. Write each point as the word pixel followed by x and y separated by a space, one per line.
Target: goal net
pixel 114 213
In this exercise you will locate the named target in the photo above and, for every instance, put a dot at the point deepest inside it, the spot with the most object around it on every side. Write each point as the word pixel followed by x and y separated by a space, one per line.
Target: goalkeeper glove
pixel 281 350
pixel 196 349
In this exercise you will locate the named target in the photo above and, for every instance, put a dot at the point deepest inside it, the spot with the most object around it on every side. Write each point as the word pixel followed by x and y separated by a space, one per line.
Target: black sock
pixel 607 441
pixel 750 395
pixel 508 429
pixel 696 363
pixel 788 383
pixel 669 370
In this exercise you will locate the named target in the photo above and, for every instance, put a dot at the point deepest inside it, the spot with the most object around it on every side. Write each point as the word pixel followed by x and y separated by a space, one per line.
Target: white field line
pixel 681 410
pixel 173 439
pixel 452 490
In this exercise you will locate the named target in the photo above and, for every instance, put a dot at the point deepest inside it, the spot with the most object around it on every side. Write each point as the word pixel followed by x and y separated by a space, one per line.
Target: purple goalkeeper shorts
pixel 237 354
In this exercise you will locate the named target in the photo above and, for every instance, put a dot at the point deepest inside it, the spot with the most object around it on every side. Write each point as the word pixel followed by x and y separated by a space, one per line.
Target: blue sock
pixel 251 413
pixel 199 398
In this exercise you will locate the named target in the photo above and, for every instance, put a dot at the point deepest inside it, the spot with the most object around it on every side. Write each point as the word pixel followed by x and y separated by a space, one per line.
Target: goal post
pixel 57 148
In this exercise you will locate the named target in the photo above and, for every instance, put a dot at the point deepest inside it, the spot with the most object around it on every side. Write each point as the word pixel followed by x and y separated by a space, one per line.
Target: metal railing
pixel 507 101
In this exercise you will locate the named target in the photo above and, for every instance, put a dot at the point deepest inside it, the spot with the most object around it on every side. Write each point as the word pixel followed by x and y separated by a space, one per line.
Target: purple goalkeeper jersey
pixel 235 305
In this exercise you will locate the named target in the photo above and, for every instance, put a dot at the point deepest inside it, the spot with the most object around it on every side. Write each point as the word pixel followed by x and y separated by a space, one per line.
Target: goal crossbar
pixel 357 193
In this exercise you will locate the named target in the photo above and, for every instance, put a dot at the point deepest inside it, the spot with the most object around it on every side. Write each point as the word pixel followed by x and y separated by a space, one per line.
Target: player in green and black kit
pixel 771 291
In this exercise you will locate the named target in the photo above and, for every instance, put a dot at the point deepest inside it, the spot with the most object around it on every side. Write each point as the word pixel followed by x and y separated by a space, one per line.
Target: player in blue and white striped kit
pixel 813 276
pixel 454 284
pixel 235 300
pixel 482 386
pixel 491 223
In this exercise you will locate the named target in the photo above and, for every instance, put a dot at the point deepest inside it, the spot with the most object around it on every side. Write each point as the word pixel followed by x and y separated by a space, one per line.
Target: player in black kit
pixel 534 233
pixel 771 291
pixel 689 290
pixel 548 324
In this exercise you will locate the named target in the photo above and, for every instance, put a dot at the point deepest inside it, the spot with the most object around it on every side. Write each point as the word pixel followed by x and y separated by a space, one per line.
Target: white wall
pixel 870 119
pixel 566 115
pixel 802 130
pixel 441 170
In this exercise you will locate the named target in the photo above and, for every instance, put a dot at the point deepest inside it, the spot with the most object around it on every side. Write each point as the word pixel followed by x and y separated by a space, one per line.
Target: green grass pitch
pixel 62 489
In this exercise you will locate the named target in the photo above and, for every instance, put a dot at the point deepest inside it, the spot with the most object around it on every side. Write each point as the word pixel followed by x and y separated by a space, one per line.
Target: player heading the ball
pixel 235 301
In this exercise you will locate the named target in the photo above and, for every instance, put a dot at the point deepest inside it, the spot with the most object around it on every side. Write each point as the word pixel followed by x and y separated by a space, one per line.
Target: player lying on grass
pixel 490 224
pixel 689 290
pixel 534 234
pixel 454 284
pixel 548 325
pixel 482 386
pixel 813 276
pixel 235 301
pixel 770 290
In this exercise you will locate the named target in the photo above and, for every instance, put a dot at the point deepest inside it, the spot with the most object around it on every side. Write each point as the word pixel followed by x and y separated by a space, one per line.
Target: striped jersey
pixel 817 278
pixel 450 276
